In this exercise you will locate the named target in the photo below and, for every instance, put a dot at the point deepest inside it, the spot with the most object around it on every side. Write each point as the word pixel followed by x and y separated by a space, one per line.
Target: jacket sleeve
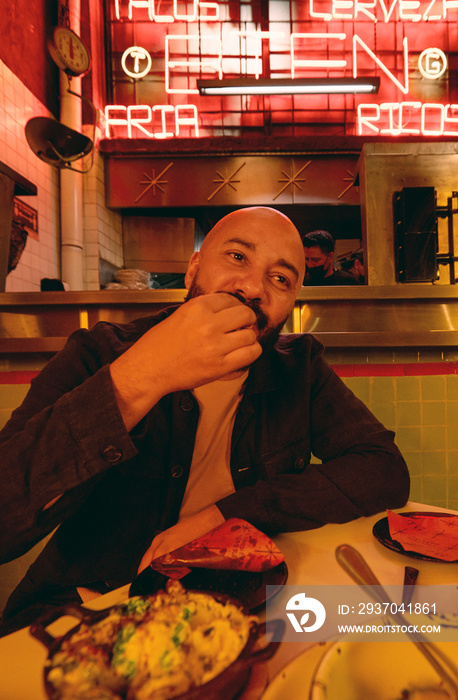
pixel 362 471
pixel 64 436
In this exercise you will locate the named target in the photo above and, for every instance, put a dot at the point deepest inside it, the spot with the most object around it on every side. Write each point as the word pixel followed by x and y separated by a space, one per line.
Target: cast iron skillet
pixel 226 684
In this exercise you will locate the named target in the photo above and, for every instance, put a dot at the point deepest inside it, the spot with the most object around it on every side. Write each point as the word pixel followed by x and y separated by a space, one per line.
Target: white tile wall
pixel 40 258
pixel 102 227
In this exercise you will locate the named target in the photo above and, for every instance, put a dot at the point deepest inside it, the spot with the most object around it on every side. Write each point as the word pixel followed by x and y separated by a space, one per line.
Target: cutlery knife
pixel 410 578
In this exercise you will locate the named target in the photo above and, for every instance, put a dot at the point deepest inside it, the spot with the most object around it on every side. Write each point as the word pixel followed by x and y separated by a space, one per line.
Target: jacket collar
pixel 266 374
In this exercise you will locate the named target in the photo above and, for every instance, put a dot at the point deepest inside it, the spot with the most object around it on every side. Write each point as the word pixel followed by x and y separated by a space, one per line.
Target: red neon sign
pixel 199 40
pixel 157 122
pixel 408 118
pixel 378 10
pixel 207 11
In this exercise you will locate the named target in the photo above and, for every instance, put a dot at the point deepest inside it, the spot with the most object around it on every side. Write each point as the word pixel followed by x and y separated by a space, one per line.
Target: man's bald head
pixel 262 218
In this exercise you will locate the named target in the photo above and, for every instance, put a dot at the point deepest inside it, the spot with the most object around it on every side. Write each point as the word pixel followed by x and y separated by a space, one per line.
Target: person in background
pixel 137 438
pixel 355 266
pixel 319 260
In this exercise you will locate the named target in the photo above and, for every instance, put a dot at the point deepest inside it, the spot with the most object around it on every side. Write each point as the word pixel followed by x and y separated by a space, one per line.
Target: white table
pixel 310 559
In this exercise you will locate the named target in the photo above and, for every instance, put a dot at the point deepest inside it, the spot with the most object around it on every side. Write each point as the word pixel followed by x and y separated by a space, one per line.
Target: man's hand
pixel 205 339
pixel 183 532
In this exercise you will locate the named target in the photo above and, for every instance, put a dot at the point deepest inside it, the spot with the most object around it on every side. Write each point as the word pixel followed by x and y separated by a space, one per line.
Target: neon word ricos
pixel 408 118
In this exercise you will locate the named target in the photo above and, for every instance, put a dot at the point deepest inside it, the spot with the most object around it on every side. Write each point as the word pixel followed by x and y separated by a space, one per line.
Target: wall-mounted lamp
pixel 58 144
pixel 293 86
pixel 55 143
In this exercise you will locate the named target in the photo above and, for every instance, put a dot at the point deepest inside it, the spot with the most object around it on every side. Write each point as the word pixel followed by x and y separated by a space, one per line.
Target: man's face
pixel 315 257
pixel 256 255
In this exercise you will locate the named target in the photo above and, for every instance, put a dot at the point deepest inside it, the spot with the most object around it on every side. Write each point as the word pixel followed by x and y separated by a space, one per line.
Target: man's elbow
pixel 395 489
pixel 401 490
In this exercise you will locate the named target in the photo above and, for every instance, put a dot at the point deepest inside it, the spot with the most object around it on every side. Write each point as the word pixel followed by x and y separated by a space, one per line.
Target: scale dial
pixel 69 51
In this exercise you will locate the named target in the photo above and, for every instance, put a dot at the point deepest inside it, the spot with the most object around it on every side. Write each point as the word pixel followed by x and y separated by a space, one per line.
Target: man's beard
pixel 267 336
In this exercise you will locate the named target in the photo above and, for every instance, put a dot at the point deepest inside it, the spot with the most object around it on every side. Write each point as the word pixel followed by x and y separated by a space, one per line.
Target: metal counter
pixel 398 316
pixel 341 317
pixel 42 321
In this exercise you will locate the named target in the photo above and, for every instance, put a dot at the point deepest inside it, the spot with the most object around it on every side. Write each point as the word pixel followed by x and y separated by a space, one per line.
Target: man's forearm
pixel 350 486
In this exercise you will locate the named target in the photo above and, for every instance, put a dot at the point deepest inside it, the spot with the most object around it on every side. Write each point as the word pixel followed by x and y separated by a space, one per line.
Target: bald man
pixel 138 438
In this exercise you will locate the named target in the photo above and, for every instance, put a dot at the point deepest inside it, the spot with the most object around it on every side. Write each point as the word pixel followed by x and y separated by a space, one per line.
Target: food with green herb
pixel 150 648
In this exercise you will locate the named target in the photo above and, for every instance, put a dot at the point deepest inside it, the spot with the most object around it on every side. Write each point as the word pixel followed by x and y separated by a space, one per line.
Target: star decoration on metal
pixel 292 179
pixel 226 180
pixel 154 181
pixel 351 180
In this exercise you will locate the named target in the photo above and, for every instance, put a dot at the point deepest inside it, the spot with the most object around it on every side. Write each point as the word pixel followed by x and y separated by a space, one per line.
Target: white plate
pixel 375 670
pixel 356 671
pixel 295 680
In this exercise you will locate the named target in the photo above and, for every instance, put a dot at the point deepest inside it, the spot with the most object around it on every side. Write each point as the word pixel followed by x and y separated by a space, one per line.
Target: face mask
pixel 317 273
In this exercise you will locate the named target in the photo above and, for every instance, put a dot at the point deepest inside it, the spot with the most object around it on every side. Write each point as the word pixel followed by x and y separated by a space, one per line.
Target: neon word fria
pixel 158 122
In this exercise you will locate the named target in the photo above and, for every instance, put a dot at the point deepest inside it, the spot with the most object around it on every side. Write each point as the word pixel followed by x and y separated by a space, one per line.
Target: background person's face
pixel 315 257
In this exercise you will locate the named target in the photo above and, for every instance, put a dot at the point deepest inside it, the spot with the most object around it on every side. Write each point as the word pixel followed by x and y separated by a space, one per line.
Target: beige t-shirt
pixel 210 476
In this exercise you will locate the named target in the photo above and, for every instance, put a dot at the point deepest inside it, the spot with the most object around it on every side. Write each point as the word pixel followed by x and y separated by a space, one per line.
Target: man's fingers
pixel 240 338
pixel 235 317
pixel 242 357
pixel 218 313
pixel 221 300
pixel 224 303
pixel 146 561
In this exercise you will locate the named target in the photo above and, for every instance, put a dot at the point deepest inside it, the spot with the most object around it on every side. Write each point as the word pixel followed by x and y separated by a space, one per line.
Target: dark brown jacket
pixel 120 489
